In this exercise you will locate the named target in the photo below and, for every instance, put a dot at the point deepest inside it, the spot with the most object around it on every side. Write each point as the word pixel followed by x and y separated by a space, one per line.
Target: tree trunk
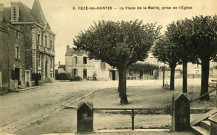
pixel 185 73
pixel 122 86
pixel 172 77
pixel 205 80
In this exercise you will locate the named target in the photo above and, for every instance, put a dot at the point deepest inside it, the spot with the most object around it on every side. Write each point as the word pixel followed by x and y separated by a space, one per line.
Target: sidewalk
pixel 124 132
pixel 128 132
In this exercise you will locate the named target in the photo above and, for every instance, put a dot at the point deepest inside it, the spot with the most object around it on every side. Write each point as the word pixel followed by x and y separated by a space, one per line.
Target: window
pixel 74 72
pixel 76 59
pixel 39 60
pixel 45 41
pixel 151 72
pixel 130 72
pixel 84 60
pixel 141 74
pixel 103 65
pixel 17 52
pixel 17 34
pixel 51 43
pixel 39 37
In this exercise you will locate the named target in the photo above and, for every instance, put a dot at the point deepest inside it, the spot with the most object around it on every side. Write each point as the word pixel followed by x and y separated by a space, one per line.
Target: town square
pixel 108 67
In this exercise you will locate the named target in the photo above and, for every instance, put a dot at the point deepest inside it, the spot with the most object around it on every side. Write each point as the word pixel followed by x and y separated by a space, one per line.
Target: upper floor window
pixel 45 41
pixel 17 34
pixel 103 65
pixel 39 37
pixel 84 60
pixel 17 52
pixel 51 44
pixel 76 59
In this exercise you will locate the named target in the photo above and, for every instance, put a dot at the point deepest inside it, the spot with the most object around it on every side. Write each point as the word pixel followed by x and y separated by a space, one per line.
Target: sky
pixel 67 19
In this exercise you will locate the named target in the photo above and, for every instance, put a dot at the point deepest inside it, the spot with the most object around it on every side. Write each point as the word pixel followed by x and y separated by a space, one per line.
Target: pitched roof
pixel 38 13
pixel 72 51
pixel 6 12
pixel 26 14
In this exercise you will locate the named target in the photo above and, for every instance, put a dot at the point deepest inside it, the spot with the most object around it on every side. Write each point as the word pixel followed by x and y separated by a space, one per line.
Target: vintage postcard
pixel 108 67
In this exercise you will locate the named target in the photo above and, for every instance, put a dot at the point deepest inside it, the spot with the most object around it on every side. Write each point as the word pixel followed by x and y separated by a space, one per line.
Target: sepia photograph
pixel 108 67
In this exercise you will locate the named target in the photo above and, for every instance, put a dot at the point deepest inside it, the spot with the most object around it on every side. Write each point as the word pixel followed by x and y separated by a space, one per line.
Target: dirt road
pixel 18 110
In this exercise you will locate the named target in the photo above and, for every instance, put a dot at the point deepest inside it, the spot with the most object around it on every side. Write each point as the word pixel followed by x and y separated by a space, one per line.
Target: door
pixel 27 78
pixel 113 75
pixel 17 75
pixel 85 74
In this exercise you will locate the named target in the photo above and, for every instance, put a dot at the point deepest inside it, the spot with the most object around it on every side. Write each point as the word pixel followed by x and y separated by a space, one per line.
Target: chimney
pixel 14 11
pixel 67 47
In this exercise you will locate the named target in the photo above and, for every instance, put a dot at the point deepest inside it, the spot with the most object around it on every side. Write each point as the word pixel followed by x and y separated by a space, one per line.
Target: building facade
pixel 38 41
pixel 78 64
pixel 12 58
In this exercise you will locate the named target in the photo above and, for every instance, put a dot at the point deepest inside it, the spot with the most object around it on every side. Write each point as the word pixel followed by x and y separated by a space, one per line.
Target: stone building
pixel 38 39
pixel 12 58
pixel 78 64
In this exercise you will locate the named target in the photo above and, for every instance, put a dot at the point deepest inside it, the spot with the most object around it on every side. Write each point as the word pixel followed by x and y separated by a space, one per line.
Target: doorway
pixel 113 75
pixel 141 74
pixel 17 75
pixel 84 73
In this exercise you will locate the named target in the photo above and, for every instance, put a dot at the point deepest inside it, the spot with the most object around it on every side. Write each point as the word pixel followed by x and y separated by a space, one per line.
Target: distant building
pixel 61 69
pixel 78 64
pixel 37 48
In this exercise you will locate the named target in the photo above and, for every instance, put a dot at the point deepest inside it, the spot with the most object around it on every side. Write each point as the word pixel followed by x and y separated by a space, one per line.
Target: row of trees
pixel 121 44
pixel 189 40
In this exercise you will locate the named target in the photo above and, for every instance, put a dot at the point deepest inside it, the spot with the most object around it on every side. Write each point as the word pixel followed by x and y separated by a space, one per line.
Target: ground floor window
pixel 74 72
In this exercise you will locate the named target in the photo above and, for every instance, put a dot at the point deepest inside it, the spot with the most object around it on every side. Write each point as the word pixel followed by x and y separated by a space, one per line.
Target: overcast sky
pixel 67 23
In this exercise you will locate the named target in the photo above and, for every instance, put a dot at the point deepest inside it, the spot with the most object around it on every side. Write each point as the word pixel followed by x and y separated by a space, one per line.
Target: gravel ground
pixel 64 121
